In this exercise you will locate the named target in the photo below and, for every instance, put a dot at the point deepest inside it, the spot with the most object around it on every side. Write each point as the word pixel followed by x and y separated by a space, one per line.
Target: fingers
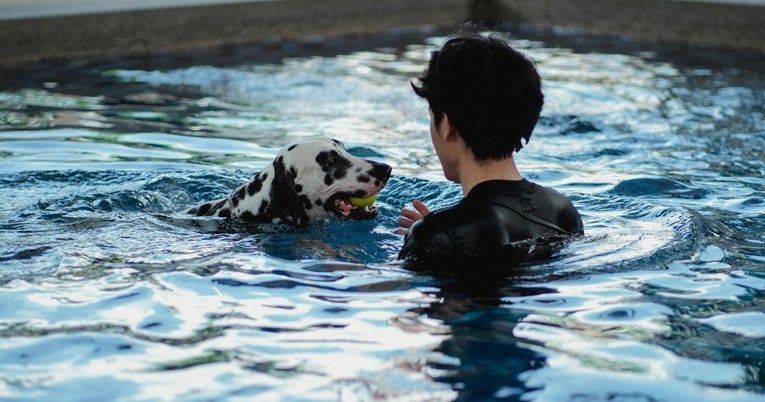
pixel 409 217
pixel 421 208
pixel 406 222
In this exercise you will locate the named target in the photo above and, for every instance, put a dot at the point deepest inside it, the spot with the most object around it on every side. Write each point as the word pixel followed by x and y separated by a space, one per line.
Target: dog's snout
pixel 381 171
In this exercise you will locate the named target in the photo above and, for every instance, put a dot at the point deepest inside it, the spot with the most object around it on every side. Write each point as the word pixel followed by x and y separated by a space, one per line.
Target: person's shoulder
pixel 541 190
pixel 560 207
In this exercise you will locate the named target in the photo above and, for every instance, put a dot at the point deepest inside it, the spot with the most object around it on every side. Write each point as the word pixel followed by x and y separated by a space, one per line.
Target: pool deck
pixel 52 30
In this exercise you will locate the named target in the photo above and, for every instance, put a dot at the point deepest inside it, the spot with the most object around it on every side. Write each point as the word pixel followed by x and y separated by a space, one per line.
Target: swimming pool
pixel 103 297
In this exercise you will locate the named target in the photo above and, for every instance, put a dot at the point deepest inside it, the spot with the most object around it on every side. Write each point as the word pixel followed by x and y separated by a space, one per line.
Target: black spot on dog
pixel 225 213
pixel 298 188
pixel 263 208
pixel 292 147
pixel 318 201
pixel 247 216
pixel 218 206
pixel 334 165
pixel 358 170
pixel 241 193
pixel 234 201
pixel 284 202
pixel 260 217
pixel 362 178
pixel 255 185
pixel 204 209
pixel 379 171
pixel 306 202
pixel 209 208
pixel 193 211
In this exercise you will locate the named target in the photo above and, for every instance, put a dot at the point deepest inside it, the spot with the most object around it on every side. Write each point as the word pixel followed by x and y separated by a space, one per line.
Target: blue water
pixel 106 293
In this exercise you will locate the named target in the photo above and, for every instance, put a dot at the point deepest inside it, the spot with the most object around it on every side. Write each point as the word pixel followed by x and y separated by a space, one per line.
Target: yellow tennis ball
pixel 363 202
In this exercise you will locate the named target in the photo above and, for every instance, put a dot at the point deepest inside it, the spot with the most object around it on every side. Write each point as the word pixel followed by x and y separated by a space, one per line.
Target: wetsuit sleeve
pixel 558 209
pixel 427 239
pixel 570 220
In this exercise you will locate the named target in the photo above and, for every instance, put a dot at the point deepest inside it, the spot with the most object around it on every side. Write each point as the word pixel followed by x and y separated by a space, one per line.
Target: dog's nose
pixel 381 171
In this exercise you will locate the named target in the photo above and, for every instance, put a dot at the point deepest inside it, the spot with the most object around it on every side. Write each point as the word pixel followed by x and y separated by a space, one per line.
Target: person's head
pixel 490 93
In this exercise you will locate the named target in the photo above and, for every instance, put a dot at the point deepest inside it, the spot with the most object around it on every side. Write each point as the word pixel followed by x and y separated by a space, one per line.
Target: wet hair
pixel 491 92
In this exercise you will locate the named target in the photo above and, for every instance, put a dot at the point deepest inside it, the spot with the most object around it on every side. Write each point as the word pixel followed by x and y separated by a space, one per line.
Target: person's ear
pixel 447 130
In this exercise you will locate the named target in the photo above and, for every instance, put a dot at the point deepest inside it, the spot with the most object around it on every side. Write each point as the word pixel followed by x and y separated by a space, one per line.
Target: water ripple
pixel 106 290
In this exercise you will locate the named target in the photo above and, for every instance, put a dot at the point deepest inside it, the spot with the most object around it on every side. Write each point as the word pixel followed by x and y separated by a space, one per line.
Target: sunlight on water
pixel 107 292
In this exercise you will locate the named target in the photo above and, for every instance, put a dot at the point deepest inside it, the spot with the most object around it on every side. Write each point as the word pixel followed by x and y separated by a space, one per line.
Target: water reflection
pixel 660 152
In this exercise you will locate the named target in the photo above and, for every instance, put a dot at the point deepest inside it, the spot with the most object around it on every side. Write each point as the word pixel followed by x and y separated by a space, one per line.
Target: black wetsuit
pixel 497 220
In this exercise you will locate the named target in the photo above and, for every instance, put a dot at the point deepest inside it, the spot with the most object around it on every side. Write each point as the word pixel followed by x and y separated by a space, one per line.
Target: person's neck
pixel 477 172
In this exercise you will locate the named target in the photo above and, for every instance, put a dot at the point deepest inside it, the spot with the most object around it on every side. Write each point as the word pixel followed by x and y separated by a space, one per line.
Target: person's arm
pixel 570 220
pixel 428 239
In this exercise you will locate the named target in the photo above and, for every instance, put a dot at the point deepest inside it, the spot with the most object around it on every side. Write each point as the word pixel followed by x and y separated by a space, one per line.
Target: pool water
pixel 106 293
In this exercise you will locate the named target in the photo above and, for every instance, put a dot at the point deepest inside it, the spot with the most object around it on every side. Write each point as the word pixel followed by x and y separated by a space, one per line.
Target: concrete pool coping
pixel 201 24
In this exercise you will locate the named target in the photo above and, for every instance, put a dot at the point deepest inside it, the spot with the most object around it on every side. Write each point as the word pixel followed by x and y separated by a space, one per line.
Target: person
pixel 485 99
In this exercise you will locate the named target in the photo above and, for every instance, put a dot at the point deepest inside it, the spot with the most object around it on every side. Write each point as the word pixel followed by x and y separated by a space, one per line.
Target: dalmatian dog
pixel 308 180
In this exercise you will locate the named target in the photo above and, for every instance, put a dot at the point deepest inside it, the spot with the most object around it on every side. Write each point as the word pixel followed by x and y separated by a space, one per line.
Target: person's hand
pixel 409 217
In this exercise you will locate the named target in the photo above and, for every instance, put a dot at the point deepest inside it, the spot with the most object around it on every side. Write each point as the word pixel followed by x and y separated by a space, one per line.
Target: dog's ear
pixel 285 201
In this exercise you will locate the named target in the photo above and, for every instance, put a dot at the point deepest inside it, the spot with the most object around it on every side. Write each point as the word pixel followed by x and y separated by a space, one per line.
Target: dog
pixel 308 180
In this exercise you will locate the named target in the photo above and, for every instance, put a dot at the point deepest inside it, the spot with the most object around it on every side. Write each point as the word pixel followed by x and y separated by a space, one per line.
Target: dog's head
pixel 324 175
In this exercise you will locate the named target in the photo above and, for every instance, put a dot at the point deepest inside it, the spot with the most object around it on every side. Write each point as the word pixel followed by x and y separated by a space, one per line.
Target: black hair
pixel 491 92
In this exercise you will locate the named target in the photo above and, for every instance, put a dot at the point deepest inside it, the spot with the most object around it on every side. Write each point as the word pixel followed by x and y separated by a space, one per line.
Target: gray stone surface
pixel 173 29
pixel 18 9
pixel 93 33
pixel 686 22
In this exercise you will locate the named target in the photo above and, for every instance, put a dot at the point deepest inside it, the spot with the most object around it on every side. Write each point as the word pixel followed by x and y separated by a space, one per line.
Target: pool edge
pixel 157 31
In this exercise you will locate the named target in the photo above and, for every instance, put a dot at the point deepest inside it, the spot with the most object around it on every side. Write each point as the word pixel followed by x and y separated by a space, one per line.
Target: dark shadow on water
pixel 349 241
pixel 480 327
pixel 472 306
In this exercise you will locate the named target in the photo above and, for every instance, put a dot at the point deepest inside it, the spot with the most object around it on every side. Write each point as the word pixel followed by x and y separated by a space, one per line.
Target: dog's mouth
pixel 341 205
